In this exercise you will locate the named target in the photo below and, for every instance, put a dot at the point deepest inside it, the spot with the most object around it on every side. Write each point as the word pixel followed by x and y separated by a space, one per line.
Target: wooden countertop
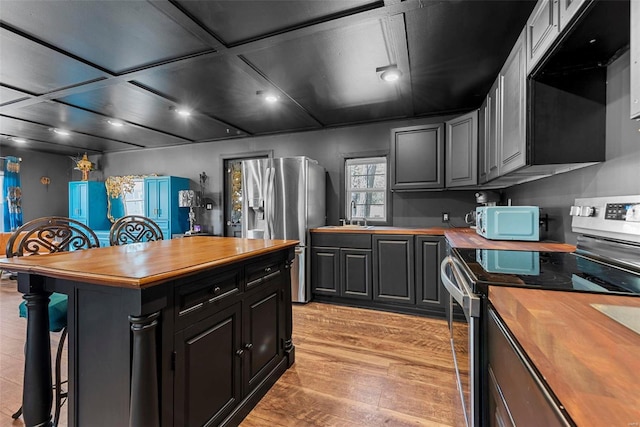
pixel 430 231
pixel 140 265
pixel 591 362
pixel 465 238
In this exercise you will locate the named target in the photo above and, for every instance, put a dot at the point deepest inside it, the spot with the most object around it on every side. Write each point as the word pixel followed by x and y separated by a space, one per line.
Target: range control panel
pixel 620 211
pixel 613 217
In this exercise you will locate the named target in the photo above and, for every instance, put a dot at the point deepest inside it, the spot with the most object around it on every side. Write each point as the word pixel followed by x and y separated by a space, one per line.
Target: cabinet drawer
pixel 527 401
pixel 200 293
pixel 263 272
pixel 342 240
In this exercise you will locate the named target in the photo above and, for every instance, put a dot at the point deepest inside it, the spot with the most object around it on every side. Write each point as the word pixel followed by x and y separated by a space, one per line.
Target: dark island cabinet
pixel 417 157
pixel 393 278
pixel 430 292
pixel 230 341
pixel 208 369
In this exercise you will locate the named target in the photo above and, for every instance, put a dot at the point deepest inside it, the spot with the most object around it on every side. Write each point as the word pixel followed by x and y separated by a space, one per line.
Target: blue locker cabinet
pixel 88 204
pixel 161 203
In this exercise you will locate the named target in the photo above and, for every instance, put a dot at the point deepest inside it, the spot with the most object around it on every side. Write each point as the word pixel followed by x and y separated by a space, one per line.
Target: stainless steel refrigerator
pixel 283 198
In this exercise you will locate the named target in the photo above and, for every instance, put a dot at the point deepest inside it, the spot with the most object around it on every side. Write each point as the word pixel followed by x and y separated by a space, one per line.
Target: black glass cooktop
pixel 548 270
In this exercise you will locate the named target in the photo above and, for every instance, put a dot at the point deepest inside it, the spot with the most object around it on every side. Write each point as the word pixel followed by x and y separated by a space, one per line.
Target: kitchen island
pixel 174 332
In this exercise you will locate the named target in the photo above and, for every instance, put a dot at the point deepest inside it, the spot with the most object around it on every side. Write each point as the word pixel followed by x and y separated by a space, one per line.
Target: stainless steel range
pixel 607 260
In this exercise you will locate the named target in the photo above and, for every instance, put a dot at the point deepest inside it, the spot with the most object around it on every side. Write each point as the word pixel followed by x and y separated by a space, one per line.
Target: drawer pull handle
pixel 248 346
pixel 268 269
pixel 239 352
pixel 216 290
pixel 190 309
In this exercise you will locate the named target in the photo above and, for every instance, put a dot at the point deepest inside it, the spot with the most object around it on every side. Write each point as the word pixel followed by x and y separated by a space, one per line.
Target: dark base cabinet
pixel 393 279
pixel 517 395
pixel 227 360
pixel 398 273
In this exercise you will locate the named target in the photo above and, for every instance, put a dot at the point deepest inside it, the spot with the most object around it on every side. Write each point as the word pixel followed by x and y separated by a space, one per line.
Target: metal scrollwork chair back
pixel 44 236
pixel 133 229
pixel 50 234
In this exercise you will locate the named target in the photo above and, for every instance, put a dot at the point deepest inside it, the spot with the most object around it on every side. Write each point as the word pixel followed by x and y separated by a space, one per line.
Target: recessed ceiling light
pixel 115 123
pixel 184 112
pixel 18 140
pixel 390 73
pixel 268 96
pixel 62 132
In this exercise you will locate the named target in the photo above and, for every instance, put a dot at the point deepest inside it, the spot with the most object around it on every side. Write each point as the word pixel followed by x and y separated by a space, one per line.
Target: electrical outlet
pixel 445 216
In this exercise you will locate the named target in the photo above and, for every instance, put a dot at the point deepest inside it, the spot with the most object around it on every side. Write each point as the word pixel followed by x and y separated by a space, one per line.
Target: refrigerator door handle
pixel 270 196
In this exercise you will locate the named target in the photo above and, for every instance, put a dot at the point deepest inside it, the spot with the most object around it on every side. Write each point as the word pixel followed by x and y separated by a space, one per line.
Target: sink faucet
pixel 353 211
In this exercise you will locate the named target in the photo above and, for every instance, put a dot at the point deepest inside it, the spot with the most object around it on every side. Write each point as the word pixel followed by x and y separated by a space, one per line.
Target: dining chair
pixel 44 236
pixel 133 229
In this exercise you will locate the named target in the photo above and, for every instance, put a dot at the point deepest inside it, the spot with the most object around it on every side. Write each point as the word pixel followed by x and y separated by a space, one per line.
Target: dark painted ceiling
pixel 75 65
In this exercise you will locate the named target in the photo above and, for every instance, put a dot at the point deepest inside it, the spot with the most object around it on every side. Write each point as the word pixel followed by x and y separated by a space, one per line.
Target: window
pixel 134 201
pixel 366 188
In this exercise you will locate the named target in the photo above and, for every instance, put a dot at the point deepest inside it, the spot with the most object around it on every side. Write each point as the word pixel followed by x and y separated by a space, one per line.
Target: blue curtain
pixel 12 194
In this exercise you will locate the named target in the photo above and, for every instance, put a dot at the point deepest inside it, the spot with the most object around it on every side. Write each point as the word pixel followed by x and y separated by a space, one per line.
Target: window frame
pixel 345 190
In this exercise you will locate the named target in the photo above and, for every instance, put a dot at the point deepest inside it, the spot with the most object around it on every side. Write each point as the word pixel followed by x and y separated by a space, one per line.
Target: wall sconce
pixel 45 180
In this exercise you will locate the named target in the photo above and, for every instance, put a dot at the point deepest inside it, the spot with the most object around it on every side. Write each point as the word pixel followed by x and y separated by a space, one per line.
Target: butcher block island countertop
pixel 590 361
pixel 458 237
pixel 153 327
pixel 139 265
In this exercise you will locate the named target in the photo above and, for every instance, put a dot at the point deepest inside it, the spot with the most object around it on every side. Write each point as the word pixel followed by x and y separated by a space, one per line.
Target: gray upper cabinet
pixel 543 26
pixel 568 9
pixel 417 157
pixel 512 138
pixel 461 150
pixel 635 59
pixel 488 142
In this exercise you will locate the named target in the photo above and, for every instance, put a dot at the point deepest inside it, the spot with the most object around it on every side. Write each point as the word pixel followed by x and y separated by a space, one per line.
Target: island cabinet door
pixel 208 372
pixel 393 276
pixel 261 348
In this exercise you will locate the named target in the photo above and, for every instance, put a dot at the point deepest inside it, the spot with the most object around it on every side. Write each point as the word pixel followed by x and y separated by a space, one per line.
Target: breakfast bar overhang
pixel 176 332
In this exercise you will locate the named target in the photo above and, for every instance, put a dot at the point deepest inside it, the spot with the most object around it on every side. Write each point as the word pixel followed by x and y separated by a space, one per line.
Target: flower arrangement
pixel 84 165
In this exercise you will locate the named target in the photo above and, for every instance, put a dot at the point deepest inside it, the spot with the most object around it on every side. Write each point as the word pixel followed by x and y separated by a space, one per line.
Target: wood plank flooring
pixel 354 367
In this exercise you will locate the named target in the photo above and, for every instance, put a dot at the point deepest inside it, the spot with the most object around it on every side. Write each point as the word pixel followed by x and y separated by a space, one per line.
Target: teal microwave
pixel 508 222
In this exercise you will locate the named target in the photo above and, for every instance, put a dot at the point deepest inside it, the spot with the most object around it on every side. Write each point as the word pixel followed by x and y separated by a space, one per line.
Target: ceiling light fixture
pixel 62 132
pixel 390 73
pixel 115 123
pixel 184 112
pixel 268 96
pixel 18 140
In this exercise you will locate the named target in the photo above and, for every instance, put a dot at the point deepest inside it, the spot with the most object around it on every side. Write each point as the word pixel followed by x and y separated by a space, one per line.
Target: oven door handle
pixel 459 290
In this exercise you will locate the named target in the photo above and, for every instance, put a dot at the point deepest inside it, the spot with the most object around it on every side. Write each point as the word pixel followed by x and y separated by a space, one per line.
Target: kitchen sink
pixel 350 226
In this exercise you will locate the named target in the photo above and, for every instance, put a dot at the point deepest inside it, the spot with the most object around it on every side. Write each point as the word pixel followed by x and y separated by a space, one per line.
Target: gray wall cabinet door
pixel 461 150
pixel 513 108
pixel 393 277
pixel 635 59
pixel 355 271
pixel 417 157
pixel 429 289
pixel 325 271
pixel 543 27
pixel 569 9
pixel 493 132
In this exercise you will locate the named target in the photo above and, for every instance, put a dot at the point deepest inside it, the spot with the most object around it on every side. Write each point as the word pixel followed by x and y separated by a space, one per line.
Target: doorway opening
pixel 232 167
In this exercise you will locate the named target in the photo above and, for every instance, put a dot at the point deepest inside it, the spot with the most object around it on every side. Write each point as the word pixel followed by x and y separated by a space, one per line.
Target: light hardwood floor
pixel 353 368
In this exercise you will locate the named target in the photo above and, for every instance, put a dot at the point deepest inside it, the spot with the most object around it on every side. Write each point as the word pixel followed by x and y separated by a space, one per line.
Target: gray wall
pixel 38 199
pixel 618 175
pixel 326 146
